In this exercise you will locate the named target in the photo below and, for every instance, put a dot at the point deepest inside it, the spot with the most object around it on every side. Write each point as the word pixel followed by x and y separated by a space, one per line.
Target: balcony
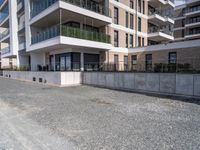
pixel 70 32
pixel 192 10
pixel 193 34
pixel 192 22
pixel 160 35
pixel 157 3
pixel 5 50
pixel 86 4
pixel 160 16
pixel 4 34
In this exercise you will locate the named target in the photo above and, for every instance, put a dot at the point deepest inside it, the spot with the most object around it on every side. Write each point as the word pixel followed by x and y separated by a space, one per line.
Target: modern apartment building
pixel 62 35
pixel 187 21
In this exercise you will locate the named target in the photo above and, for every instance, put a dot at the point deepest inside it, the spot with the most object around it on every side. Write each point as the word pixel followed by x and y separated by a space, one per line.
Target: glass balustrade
pixel 4 34
pixel 91 5
pixel 161 12
pixel 70 32
pixel 155 30
pixel 5 50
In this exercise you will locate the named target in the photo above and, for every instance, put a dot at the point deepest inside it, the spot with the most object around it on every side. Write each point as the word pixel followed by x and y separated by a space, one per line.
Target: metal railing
pixel 86 4
pixel 70 32
pixel 4 34
pixel 190 65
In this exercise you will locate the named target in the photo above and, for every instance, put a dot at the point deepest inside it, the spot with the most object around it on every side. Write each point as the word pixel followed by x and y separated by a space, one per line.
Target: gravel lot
pixel 37 117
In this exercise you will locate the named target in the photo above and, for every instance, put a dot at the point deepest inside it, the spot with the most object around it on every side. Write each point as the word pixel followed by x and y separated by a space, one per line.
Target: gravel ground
pixel 37 117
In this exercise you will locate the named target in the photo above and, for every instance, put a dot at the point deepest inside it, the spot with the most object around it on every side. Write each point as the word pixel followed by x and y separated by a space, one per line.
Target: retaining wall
pixel 165 83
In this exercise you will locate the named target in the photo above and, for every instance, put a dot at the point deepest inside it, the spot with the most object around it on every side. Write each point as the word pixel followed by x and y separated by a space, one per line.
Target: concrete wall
pixel 166 83
pixel 54 78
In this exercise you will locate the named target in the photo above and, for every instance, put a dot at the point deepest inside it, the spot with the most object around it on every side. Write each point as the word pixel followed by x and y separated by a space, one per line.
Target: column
pixel 82 61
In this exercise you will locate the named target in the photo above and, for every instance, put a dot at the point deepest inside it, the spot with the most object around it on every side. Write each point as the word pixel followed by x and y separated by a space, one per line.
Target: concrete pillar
pixel 82 61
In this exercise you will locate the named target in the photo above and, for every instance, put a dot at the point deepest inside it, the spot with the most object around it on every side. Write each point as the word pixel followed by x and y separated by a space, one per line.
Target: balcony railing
pixel 22 46
pixel 193 9
pixel 5 50
pixel 86 4
pixel 193 20
pixel 4 34
pixel 163 13
pixel 155 30
pixel 194 31
pixel 70 32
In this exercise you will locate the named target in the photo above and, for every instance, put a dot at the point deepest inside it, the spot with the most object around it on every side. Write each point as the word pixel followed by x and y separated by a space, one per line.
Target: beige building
pixel 187 21
pixel 63 35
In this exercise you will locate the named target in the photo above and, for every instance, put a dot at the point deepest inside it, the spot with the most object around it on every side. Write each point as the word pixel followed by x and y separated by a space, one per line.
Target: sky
pixel 179 2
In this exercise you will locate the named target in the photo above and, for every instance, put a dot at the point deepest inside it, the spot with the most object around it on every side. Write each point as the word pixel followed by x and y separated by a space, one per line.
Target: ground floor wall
pixel 160 83
pixel 52 78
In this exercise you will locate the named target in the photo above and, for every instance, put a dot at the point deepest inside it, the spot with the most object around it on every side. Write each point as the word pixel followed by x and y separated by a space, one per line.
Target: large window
pixel 139 24
pixel 131 21
pixel 116 62
pixel 127 19
pixel 116 15
pixel 139 41
pixel 67 61
pixel 139 5
pixel 132 4
pixel 131 40
pixel 116 38
pixel 134 61
pixel 126 40
pixel 125 63
pixel 172 61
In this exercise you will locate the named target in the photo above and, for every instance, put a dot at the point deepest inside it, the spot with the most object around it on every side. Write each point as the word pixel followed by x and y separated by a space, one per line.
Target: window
pixel 148 62
pixel 143 7
pixel 127 19
pixel 116 61
pixel 134 62
pixel 131 4
pixel 126 40
pixel 172 58
pixel 116 15
pixel 172 61
pixel 125 63
pixel 139 24
pixel 139 41
pixel 116 40
pixel 142 41
pixel 139 5
pixel 131 21
pixel 131 40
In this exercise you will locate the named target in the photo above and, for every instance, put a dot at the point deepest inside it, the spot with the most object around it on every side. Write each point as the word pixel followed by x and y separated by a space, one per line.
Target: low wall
pixel 165 83
pixel 54 78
